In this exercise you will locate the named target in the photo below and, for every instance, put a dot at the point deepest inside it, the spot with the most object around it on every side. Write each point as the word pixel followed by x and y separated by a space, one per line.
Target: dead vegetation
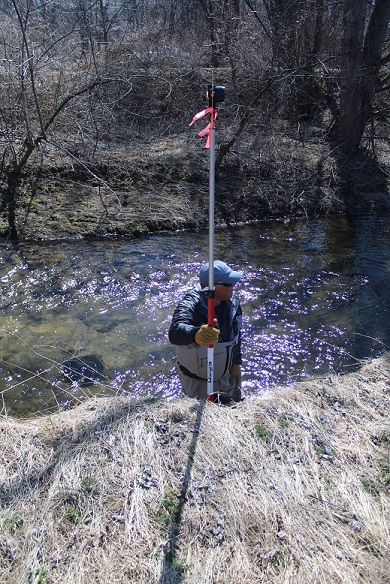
pixel 95 139
pixel 163 186
pixel 291 487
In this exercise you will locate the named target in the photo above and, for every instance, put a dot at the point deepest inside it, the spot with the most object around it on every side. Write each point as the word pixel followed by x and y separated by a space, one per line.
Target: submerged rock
pixel 83 370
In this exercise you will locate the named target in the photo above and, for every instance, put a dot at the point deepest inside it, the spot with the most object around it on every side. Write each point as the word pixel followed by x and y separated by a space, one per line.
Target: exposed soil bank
pixel 163 186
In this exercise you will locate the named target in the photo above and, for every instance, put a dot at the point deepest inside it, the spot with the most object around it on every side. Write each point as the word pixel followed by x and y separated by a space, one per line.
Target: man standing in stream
pixel 191 334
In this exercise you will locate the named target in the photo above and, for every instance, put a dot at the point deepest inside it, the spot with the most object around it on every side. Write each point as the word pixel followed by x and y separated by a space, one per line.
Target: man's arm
pixel 185 322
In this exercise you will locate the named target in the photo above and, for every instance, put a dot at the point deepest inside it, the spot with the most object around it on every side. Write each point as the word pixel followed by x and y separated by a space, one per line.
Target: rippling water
pixel 315 296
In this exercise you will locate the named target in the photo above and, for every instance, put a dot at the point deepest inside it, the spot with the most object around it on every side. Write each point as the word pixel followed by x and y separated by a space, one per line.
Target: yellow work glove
pixel 235 375
pixel 207 335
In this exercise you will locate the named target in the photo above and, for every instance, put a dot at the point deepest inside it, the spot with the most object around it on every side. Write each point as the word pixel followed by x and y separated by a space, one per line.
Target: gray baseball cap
pixel 222 274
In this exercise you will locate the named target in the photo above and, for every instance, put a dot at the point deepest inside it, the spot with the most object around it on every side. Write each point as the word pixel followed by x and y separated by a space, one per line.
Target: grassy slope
pixel 291 487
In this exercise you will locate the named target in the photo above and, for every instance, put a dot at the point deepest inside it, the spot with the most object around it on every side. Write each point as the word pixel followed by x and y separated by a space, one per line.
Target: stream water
pixel 315 297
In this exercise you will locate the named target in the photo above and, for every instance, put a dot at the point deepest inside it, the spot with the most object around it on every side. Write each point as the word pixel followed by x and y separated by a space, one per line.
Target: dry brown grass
pixel 293 487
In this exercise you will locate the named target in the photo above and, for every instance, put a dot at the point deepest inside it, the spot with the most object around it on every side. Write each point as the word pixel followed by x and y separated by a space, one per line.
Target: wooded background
pixel 80 77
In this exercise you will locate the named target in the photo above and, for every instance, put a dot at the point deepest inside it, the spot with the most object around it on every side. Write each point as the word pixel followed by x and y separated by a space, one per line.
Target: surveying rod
pixel 215 94
pixel 211 291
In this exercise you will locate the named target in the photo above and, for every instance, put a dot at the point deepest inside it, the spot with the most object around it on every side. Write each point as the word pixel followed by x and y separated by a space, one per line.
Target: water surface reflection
pixel 315 297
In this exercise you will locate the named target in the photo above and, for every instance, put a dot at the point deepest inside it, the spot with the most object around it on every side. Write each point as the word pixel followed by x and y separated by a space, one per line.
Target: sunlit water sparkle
pixel 315 298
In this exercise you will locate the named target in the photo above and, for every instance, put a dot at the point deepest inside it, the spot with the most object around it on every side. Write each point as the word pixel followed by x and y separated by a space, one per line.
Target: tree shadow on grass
pixel 68 443
pixel 173 570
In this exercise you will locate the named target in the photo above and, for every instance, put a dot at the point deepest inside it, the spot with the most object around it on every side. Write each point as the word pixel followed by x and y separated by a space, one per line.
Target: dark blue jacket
pixel 191 313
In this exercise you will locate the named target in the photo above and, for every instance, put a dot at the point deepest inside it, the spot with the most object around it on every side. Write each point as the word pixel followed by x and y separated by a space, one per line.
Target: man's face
pixel 223 292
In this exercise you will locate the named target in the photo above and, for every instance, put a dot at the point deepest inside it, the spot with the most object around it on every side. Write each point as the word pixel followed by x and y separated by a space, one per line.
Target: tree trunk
pixel 9 204
pixel 350 111
pixel 372 54
pixel 360 65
